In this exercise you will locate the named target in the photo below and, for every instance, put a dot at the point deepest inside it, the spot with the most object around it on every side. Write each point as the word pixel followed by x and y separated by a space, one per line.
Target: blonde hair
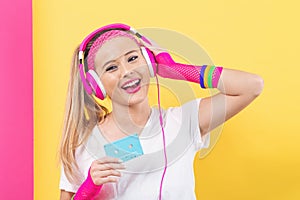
pixel 82 113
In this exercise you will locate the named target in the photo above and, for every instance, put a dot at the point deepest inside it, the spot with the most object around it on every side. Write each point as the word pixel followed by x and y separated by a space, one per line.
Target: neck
pixel 131 119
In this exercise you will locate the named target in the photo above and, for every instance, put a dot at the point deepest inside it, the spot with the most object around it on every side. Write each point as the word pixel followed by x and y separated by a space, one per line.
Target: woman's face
pixel 123 71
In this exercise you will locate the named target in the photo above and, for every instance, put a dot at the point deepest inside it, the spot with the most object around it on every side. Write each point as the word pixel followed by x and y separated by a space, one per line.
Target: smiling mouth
pixel 132 86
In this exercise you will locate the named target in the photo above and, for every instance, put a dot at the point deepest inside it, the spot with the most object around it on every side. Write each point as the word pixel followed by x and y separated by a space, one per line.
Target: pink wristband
pixel 88 190
pixel 216 76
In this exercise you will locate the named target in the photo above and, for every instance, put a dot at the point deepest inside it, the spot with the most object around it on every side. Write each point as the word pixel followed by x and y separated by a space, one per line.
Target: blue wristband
pixel 202 76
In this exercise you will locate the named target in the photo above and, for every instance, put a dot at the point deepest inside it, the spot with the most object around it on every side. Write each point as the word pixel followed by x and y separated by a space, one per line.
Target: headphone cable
pixel 163 134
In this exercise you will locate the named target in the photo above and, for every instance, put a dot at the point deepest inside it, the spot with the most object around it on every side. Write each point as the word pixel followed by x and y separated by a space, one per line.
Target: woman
pixel 124 72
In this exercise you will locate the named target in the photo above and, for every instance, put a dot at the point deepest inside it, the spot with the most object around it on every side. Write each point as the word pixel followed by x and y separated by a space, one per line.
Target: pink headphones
pixel 90 79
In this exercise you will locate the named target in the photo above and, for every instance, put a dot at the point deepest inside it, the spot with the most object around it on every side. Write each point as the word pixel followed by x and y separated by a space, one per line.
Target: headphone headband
pixel 105 28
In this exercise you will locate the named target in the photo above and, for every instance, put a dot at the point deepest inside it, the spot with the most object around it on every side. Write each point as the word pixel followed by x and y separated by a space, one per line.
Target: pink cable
pixel 88 190
pixel 168 68
pixel 164 141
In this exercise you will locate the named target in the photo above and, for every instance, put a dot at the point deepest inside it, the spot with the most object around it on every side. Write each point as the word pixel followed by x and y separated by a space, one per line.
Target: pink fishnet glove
pixel 168 68
pixel 88 190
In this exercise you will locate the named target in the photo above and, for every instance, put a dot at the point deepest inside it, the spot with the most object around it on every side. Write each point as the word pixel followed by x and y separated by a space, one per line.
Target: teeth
pixel 130 84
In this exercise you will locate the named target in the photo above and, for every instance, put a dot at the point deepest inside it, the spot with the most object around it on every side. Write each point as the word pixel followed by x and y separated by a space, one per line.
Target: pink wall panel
pixel 16 101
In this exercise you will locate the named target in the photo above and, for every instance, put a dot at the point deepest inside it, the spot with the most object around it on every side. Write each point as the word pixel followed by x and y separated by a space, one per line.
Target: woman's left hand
pixel 153 47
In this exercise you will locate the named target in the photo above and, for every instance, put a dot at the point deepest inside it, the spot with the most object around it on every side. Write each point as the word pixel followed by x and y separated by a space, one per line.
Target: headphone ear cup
pixel 150 59
pixel 95 83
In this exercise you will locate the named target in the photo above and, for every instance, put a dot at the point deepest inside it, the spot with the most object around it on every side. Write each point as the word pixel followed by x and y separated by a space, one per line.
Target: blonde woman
pixel 116 62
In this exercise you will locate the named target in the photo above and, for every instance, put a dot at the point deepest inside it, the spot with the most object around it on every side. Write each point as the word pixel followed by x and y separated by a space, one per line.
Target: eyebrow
pixel 129 52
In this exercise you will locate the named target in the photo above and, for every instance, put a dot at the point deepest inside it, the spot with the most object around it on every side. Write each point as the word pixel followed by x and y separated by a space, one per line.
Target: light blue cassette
pixel 125 149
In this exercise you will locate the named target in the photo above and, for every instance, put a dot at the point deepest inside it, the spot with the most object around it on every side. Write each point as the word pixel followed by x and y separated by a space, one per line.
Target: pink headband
pixel 101 40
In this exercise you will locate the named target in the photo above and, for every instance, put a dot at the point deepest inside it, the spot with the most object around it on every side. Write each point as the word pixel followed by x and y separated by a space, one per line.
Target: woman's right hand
pixel 105 170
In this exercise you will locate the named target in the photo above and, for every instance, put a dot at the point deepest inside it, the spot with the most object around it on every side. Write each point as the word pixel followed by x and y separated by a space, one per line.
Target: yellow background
pixel 258 153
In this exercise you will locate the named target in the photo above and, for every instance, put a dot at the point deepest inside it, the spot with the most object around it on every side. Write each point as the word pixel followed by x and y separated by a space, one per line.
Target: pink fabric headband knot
pixel 101 40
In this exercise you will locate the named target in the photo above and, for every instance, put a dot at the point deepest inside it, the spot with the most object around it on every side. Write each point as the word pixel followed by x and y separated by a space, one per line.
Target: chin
pixel 135 98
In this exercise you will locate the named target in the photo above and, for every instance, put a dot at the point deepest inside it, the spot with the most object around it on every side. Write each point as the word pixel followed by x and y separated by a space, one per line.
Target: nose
pixel 126 69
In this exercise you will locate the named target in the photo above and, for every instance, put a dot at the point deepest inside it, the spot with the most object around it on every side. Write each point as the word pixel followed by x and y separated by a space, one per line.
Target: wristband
pixel 216 76
pixel 209 80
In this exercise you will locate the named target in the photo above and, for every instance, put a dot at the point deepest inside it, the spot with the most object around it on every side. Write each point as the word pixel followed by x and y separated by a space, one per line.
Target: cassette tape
pixel 125 149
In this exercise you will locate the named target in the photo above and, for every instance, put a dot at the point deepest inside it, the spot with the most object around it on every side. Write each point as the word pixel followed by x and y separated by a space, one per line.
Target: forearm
pixel 230 82
pixel 88 189
pixel 239 83
pixel 205 75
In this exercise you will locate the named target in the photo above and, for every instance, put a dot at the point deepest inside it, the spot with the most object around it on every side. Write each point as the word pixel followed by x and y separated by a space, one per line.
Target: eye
pixel 132 58
pixel 111 68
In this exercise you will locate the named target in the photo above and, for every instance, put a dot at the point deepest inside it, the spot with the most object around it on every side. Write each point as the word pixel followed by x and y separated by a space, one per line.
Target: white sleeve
pixel 191 109
pixel 64 183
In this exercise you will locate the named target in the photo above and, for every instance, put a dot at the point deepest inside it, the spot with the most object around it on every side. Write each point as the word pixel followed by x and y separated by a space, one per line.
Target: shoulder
pixel 186 110
pixel 90 149
pixel 183 115
pixel 84 156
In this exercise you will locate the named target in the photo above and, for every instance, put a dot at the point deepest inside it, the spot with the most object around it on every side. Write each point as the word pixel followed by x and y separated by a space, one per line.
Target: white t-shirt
pixel 142 177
